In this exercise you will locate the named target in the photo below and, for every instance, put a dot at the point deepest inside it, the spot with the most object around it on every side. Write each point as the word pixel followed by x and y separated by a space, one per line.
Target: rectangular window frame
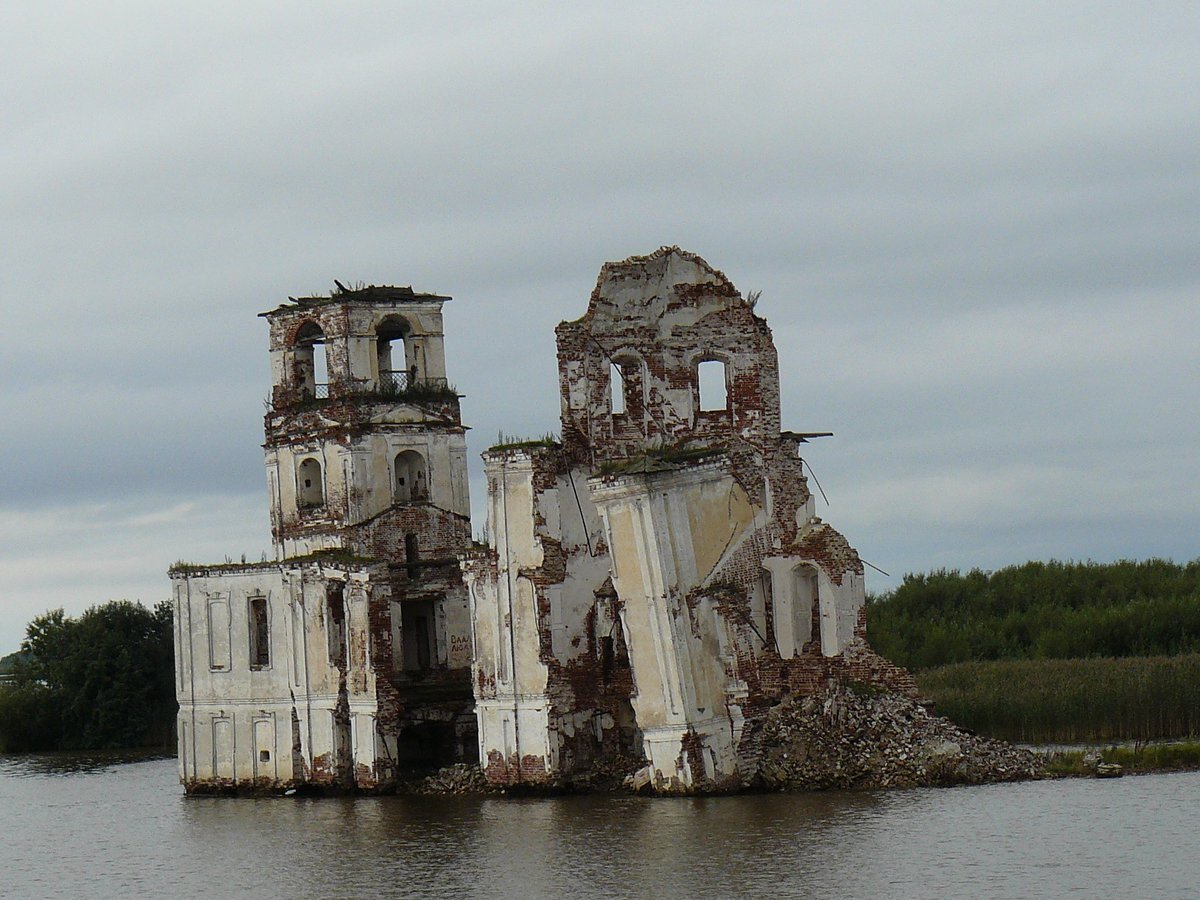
pixel 258 628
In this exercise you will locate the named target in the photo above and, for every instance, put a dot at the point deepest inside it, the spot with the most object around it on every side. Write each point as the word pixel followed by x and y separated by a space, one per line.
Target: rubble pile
pixel 610 772
pixel 463 778
pixel 857 736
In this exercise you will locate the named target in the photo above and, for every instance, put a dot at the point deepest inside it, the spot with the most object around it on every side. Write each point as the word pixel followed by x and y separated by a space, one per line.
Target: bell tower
pixel 346 661
pixel 363 423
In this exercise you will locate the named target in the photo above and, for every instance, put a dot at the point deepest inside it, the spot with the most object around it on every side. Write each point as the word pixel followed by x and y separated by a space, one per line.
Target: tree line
pixel 1039 610
pixel 104 680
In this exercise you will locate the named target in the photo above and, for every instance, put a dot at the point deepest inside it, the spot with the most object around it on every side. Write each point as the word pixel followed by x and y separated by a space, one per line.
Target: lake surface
pixel 79 827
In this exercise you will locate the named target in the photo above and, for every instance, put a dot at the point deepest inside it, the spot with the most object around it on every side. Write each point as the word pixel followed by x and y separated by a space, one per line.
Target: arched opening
pixel 410 479
pixel 712 384
pixel 627 386
pixel 310 488
pixel 393 352
pixel 310 364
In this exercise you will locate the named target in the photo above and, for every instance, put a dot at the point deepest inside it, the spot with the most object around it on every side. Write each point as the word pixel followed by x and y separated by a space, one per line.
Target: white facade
pixel 288 715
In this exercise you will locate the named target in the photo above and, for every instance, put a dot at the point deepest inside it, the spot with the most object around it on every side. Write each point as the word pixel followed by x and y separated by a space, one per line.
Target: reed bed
pixel 1045 701
pixel 1182 756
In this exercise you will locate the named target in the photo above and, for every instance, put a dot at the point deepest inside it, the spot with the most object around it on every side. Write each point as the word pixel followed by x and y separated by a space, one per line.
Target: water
pixel 74 826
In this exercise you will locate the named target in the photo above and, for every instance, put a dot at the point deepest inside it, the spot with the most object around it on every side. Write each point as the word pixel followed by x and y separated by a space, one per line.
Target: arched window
pixel 712 385
pixel 310 488
pixel 310 361
pixel 410 479
pixel 392 353
pixel 627 385
pixel 311 366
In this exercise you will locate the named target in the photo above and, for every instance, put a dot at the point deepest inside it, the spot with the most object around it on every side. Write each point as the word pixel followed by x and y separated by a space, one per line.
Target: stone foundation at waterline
pixel 849 736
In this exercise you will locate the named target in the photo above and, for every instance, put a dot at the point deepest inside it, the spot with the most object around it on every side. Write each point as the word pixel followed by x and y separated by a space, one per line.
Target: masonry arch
pixel 394 353
pixel 310 486
pixel 310 361
pixel 410 478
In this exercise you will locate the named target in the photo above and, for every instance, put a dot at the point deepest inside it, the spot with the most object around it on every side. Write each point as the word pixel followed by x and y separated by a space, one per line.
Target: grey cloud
pixel 974 228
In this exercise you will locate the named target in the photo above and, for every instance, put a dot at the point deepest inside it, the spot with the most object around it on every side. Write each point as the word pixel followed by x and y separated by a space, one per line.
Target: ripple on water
pixel 100 827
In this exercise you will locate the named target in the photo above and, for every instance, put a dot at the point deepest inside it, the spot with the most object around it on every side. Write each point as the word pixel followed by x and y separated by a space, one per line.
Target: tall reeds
pixel 1071 700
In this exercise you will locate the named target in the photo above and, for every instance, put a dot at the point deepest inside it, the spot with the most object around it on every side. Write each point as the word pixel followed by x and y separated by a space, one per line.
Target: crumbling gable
pixel 726 590
pixel 630 369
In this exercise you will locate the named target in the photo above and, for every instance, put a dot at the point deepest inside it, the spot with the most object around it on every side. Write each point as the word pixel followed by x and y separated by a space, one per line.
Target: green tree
pixel 104 680
pixel 1040 610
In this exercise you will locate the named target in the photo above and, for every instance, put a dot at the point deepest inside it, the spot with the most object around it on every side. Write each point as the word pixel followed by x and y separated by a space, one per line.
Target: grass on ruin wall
pixel 1071 700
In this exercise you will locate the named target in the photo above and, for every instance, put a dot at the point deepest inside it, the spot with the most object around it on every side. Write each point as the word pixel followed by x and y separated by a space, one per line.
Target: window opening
pixel 392 353
pixel 710 378
pixel 417 627
pixel 616 384
pixel 311 489
pixel 321 369
pixel 807 611
pixel 260 634
pixel 411 554
pixel 423 642
pixel 311 362
pixel 607 658
pixel 411 481
pixel 335 624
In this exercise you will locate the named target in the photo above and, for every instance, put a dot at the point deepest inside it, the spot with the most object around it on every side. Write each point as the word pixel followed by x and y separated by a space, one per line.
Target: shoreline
pixel 1055 761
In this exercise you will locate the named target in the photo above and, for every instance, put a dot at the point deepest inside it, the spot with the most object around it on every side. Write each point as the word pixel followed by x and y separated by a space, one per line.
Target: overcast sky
pixel 976 229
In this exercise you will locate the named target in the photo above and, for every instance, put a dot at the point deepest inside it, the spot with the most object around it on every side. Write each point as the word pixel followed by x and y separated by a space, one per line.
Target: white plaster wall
pixel 374 474
pixel 229 715
pixel 667 534
pixel 572 519
pixel 457 630
pixel 510 655
pixel 516 726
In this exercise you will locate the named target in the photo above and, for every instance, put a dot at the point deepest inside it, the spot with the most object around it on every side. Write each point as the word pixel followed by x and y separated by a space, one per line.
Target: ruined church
pixel 652 584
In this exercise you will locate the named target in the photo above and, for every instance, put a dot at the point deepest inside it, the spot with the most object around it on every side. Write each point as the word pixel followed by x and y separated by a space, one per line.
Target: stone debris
pixel 612 772
pixel 860 737
pixel 462 778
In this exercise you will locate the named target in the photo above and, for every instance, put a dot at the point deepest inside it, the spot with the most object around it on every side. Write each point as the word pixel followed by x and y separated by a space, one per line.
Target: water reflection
pixel 132 833
pixel 34 765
